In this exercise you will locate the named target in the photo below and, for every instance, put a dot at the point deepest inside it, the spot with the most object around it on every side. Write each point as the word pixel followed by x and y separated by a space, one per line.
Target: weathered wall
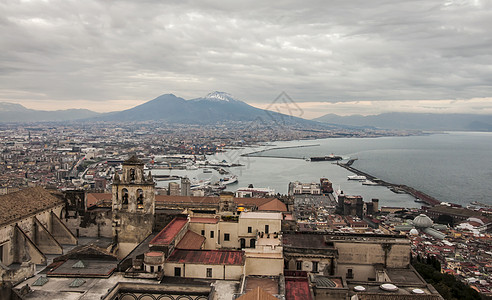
pixel 44 240
pixel 232 229
pixel 91 224
pixel 24 249
pixel 258 225
pixel 397 254
pixel 60 232
pixel 264 266
pixel 200 271
pixel 13 276
pixel 16 250
pixel 360 272
pixel 210 243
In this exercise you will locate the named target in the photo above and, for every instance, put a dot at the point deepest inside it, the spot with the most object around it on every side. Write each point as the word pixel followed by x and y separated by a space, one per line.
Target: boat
pixel 198 184
pixel 356 177
pixel 326 158
pixel 229 180
pixel 191 167
pixel 207 171
pixel 368 182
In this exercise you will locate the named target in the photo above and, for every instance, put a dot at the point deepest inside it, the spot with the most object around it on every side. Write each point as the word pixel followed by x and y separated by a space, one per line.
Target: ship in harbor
pixel 326 158
pixel 357 177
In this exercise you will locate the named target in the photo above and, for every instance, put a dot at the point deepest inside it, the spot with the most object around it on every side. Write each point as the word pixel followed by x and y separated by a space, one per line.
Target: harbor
pixel 396 188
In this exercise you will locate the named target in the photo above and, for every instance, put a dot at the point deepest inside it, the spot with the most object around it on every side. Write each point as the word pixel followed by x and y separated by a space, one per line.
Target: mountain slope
pixel 214 108
pixel 419 121
pixel 12 112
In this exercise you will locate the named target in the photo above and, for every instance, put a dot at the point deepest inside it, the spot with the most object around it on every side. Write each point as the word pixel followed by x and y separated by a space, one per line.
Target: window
pixel 267 228
pixel 250 229
pixel 124 197
pixel 226 237
pixel 203 232
pixel 350 274
pixel 315 266
pixel 177 272
pixel 209 272
pixel 140 197
pixel 299 265
pixel 212 234
pixel 151 269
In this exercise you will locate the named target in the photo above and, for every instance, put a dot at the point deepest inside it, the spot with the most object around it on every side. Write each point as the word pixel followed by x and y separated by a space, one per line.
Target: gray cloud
pixel 331 51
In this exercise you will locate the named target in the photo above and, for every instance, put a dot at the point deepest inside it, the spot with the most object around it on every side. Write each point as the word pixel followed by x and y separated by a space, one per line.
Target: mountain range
pixel 12 112
pixel 416 121
pixel 220 107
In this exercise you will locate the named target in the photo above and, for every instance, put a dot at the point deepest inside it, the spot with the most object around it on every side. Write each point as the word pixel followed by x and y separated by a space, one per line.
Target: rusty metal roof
pixel 208 257
pixel 167 235
pixel 297 289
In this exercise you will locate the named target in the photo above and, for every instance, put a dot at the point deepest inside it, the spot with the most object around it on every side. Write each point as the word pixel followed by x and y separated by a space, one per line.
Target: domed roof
pixel 414 231
pixel 422 221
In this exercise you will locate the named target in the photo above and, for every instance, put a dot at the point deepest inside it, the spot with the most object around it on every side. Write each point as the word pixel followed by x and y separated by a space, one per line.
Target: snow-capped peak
pixel 220 96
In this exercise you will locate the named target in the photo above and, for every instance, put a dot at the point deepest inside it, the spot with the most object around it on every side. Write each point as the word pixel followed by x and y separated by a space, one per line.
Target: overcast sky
pixel 341 56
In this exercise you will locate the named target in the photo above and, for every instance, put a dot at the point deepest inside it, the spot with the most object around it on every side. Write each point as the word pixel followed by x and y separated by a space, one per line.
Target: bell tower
pixel 133 205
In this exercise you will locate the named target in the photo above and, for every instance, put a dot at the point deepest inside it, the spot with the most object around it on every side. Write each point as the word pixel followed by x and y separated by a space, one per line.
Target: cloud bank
pixel 78 52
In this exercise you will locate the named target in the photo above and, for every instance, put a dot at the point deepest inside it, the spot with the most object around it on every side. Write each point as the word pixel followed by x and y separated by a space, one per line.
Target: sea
pixel 453 167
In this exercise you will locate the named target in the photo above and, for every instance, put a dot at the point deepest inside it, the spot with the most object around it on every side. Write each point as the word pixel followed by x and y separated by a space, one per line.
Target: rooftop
pixel 166 236
pixel 191 241
pixel 297 289
pixel 268 284
pixel 261 215
pixel 204 220
pixel 209 257
pixel 21 204
pixel 84 268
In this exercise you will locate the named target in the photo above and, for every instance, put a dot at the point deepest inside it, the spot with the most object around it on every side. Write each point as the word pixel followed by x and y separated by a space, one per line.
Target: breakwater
pixel 257 153
pixel 397 188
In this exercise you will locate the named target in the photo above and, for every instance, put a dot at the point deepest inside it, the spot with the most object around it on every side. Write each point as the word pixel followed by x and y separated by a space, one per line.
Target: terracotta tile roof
pixel 212 200
pixel 166 236
pixel 208 257
pixel 24 203
pixel 191 241
pixel 257 294
pixel 165 199
pixel 204 220
pixel 95 198
pixel 252 201
pixel 273 205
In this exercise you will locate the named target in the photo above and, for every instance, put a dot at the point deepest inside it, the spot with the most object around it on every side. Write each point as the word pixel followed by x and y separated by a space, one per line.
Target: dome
pixel 422 221
pixel 414 231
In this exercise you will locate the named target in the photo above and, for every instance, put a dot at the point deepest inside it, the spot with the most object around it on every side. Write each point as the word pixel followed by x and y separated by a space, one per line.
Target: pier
pixel 397 188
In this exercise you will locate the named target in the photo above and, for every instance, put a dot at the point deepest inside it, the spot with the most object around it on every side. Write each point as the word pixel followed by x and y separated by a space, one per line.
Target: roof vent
pixel 418 291
pixel 389 287
pixel 79 265
pixel 359 288
pixel 42 280
pixel 77 282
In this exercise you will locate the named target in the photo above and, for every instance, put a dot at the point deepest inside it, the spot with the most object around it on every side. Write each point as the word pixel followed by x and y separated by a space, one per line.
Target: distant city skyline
pixel 338 57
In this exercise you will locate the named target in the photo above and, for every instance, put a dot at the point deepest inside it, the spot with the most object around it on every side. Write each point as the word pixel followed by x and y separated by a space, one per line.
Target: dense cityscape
pixel 73 198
